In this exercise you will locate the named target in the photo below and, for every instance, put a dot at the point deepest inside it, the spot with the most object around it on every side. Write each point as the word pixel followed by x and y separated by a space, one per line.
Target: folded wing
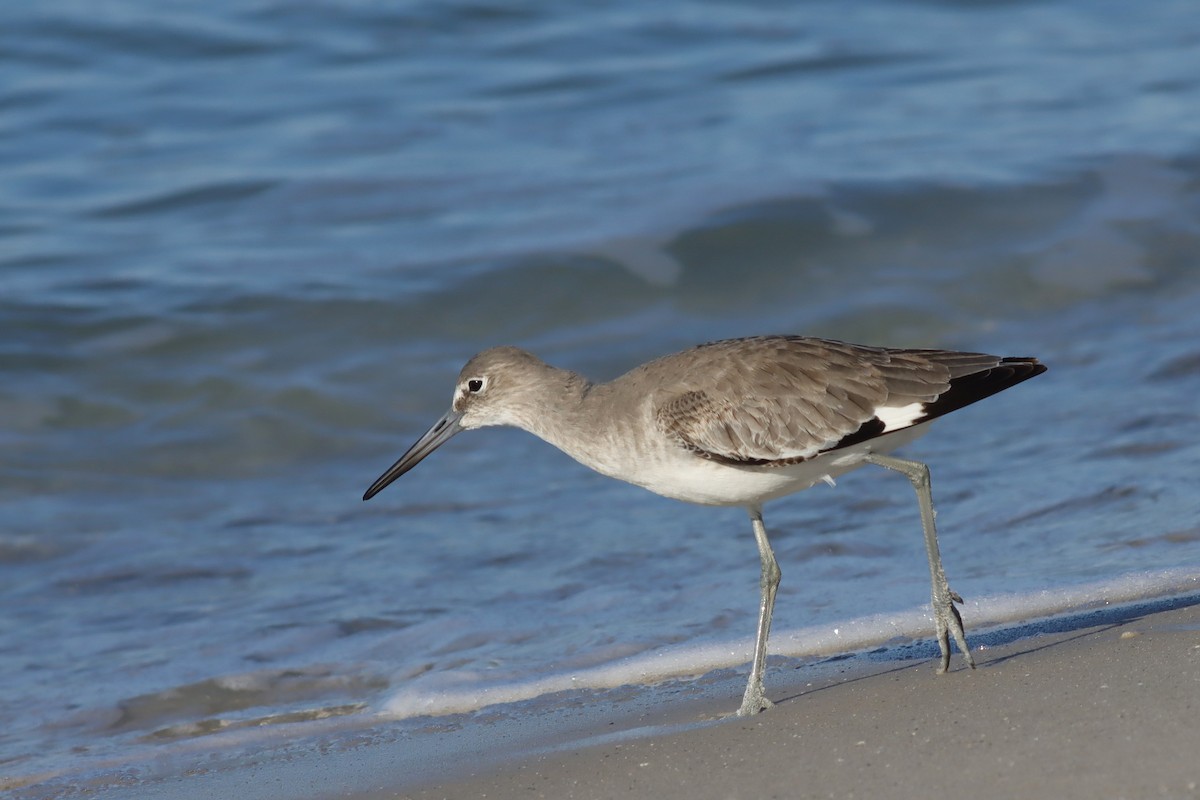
pixel 782 400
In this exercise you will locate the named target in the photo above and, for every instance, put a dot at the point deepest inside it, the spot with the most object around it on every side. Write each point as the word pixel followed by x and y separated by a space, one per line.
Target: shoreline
pixel 1100 702
pixel 1107 710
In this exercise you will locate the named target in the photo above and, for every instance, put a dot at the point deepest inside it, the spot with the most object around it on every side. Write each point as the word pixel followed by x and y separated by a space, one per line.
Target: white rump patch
pixel 896 417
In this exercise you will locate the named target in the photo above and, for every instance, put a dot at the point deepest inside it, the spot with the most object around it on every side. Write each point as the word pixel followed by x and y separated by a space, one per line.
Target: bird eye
pixel 475 385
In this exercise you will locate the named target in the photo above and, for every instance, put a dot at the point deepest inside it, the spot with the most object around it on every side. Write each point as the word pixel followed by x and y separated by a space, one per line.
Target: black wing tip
pixel 977 386
pixel 963 391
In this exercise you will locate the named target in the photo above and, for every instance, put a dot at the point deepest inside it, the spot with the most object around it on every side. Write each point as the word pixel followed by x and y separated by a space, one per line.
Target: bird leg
pixel 945 616
pixel 754 700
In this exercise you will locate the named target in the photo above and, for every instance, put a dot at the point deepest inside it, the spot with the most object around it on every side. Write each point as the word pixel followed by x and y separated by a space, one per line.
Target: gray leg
pixel 754 700
pixel 945 615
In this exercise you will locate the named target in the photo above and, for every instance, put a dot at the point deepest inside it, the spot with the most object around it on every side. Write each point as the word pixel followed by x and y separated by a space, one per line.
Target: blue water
pixel 244 249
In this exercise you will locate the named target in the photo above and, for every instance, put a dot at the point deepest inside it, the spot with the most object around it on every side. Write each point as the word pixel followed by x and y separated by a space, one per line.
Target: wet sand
pixel 1108 711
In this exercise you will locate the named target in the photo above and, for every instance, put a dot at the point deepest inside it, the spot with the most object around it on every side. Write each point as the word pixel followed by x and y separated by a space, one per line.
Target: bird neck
pixel 548 403
pixel 562 409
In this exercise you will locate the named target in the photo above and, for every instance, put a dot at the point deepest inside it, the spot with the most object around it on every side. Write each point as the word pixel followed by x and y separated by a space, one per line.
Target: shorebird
pixel 737 423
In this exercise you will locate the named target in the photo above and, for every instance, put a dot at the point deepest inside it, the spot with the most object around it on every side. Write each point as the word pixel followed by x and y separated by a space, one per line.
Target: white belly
pixel 688 477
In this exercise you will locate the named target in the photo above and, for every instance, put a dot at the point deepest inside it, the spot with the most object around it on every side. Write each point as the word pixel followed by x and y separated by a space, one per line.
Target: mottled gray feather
pixel 780 399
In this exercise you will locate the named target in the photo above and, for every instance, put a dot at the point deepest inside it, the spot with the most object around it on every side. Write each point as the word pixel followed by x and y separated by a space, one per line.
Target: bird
pixel 739 422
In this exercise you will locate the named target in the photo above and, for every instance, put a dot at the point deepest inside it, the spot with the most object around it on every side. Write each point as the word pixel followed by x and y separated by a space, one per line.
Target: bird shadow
pixel 1080 623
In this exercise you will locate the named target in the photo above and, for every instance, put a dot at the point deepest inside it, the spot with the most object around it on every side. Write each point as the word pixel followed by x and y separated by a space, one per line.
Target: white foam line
pixel 464 692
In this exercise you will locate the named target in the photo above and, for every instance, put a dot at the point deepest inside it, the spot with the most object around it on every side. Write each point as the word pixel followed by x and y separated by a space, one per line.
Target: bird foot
pixel 948 621
pixel 754 701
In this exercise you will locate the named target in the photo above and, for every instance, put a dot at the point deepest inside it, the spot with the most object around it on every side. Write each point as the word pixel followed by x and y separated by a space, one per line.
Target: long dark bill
pixel 432 439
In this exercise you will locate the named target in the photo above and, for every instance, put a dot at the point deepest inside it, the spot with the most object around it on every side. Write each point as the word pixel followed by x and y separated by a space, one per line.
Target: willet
pixel 738 423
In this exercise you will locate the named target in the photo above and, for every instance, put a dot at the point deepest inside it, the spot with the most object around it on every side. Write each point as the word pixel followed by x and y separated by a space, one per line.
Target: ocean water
pixel 245 247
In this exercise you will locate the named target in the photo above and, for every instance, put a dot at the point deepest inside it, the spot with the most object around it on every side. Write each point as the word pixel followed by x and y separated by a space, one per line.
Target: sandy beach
pixel 1106 711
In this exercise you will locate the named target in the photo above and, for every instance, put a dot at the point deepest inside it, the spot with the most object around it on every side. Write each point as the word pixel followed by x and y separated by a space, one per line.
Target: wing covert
pixel 782 402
